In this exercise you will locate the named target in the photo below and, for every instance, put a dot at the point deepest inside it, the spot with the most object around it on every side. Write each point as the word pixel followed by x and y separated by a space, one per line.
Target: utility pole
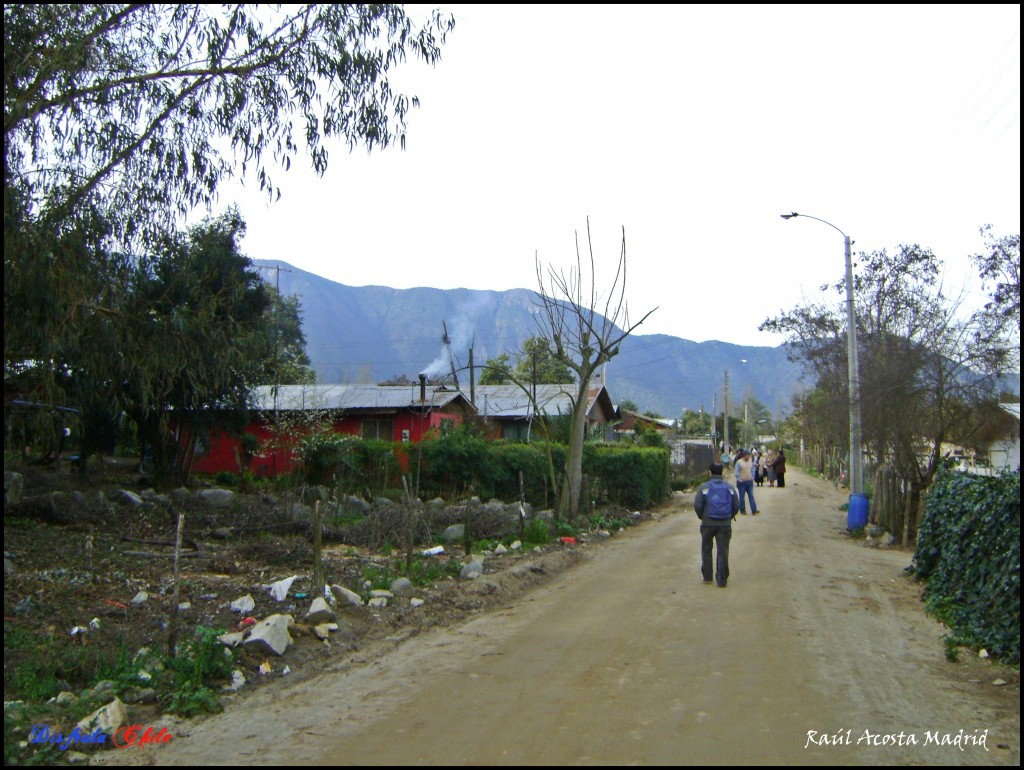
pixel 726 413
pixel 277 354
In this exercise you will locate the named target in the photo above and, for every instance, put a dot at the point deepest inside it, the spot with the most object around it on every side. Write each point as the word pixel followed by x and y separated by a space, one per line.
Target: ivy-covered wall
pixel 968 551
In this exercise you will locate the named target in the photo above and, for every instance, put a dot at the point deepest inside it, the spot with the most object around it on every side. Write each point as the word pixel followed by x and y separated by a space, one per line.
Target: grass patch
pixel 44 665
pixel 536 532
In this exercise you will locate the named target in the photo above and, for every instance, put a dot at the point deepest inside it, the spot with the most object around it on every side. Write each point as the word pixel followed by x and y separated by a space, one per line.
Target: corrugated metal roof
pixel 345 397
pixel 510 401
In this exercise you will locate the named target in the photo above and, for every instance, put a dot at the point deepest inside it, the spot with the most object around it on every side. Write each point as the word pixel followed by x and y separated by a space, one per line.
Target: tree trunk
pixel 569 505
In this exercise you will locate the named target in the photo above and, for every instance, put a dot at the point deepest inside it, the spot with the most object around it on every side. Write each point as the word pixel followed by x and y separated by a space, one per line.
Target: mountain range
pixel 374 333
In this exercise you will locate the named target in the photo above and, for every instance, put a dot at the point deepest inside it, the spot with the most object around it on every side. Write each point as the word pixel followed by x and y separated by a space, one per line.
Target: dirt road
pixel 628 658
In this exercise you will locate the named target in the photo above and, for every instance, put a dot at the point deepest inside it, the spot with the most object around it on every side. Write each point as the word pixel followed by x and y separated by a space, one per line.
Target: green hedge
pixel 635 477
pixel 968 550
pixel 461 463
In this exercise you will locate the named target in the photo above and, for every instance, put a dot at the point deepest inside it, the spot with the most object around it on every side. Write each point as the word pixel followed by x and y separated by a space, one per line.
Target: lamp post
pixel 853 371
pixel 725 413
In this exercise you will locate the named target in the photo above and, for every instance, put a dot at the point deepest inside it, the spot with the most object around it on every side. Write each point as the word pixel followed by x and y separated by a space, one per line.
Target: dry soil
pixel 819 652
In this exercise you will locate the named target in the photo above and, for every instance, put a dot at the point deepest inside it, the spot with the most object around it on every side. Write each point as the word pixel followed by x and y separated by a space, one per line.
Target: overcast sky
pixel 692 128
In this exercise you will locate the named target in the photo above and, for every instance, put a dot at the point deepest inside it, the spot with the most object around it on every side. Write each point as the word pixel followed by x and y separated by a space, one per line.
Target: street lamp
pixel 853 371
pixel 725 413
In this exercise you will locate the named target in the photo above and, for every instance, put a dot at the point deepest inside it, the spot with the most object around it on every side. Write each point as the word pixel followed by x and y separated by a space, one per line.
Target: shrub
pixel 968 551
pixel 536 532
pixel 202 662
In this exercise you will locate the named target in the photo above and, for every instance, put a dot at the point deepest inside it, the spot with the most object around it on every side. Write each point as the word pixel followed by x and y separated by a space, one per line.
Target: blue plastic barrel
pixel 857 513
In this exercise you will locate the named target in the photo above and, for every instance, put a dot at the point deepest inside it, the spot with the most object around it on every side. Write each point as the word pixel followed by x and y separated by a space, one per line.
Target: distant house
pixel 1005 453
pixel 632 421
pixel 392 413
pixel 513 415
pixel 387 412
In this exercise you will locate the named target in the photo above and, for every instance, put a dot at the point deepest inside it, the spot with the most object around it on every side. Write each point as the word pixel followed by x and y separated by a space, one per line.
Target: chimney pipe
pixel 423 387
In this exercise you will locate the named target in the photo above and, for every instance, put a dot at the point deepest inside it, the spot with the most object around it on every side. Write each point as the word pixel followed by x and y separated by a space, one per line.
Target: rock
pixel 181 494
pixel 126 496
pixel 232 639
pixel 217 498
pixel 346 597
pixel 454 533
pixel 998 682
pixel 381 593
pixel 8 568
pixel 243 604
pixel 184 606
pixel 101 504
pixel 272 633
pixel 472 570
pixel 378 601
pixel 106 719
pixel 500 549
pixel 102 688
pixel 65 697
pixel 516 545
pixel 356 504
pixel 151 496
pixel 319 612
pixel 237 681
pixel 402 587
pixel 416 602
pixel 222 533
pixel 140 598
pixel 14 487
pixel 133 695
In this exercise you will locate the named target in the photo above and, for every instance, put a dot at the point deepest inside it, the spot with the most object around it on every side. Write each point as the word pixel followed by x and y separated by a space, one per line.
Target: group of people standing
pixel 770 467
pixel 766 465
pixel 717 503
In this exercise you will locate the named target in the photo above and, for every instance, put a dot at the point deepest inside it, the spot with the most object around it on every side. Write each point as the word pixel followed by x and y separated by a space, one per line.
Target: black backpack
pixel 718 500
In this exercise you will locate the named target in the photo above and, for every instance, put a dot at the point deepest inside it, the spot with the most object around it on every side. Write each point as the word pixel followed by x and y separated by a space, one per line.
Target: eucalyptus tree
pixel 120 120
pixel 142 111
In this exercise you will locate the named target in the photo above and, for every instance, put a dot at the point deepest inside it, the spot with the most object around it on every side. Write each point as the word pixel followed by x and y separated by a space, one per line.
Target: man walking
pixel 745 482
pixel 716 504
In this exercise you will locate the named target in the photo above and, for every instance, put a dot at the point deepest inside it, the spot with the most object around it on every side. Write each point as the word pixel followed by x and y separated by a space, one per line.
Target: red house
pixel 284 414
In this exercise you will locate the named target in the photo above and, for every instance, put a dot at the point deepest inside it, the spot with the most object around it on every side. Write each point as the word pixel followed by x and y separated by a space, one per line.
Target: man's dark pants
pixel 709 535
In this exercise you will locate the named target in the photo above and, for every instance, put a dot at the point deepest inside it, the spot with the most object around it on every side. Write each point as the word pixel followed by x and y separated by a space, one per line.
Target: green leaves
pixel 968 549
pixel 127 108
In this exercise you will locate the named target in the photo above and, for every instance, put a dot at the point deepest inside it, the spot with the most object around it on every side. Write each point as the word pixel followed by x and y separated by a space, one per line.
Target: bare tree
pixel 584 340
